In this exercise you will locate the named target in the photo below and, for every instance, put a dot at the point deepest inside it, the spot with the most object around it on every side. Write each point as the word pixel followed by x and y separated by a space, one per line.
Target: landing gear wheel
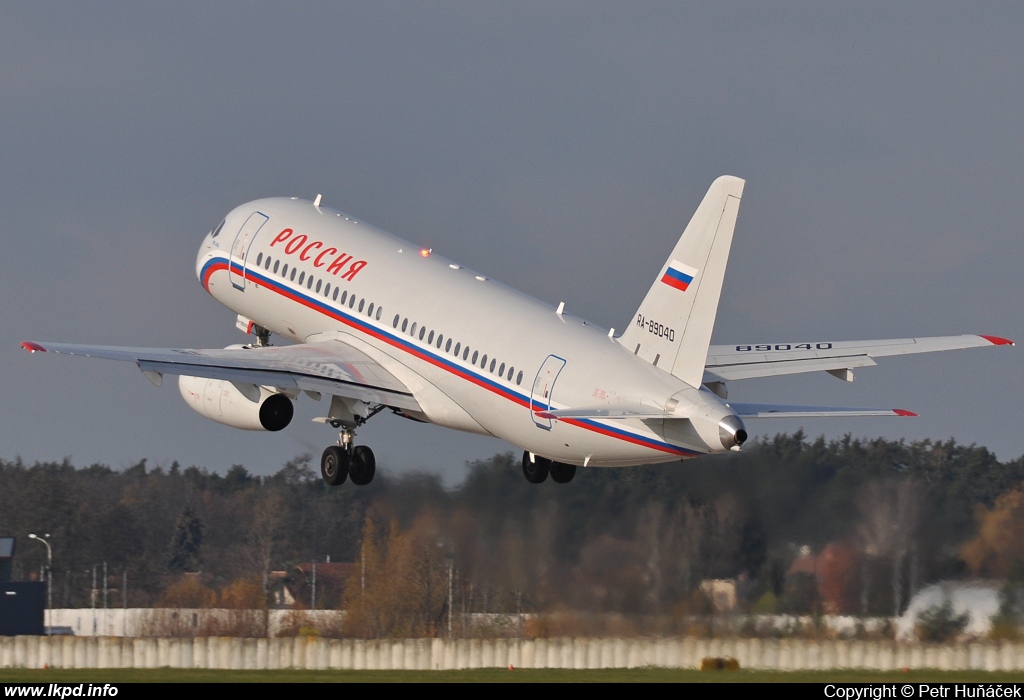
pixel 334 466
pixel 562 473
pixel 363 465
pixel 535 471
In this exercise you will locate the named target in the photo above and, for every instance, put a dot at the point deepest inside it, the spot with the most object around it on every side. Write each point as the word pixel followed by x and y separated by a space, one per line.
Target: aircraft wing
pixel 728 362
pixel 329 367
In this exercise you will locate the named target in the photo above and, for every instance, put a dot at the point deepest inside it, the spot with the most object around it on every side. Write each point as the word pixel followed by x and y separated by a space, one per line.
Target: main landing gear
pixel 343 461
pixel 347 460
pixel 339 463
pixel 536 469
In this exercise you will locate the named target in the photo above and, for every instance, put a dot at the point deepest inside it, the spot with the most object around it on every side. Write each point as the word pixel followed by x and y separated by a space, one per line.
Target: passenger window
pixel 276 263
pixel 266 264
pixel 395 324
pixel 292 277
pixel 448 347
pixel 501 369
pixel 440 339
pixel 318 283
pixel 430 338
pixel 423 332
pixel 361 302
pixel 465 353
pixel 476 353
pixel 379 310
pixel 519 377
pixel 259 259
pixel 412 331
pixel 369 311
pixel 327 290
pixel 458 346
pixel 405 324
pixel 352 301
pixel 302 277
pixel 344 296
pixel 335 297
pixel 309 282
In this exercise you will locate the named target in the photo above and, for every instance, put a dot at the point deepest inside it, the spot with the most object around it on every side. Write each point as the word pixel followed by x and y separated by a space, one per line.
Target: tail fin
pixel 672 328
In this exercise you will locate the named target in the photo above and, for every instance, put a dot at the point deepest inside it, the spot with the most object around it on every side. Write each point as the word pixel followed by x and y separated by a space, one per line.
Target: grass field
pixel 635 675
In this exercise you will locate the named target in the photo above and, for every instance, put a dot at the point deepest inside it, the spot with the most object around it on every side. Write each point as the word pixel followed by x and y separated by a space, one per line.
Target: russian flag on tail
pixel 679 275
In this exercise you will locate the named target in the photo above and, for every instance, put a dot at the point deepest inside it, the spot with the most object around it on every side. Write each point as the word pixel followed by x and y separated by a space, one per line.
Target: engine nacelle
pixel 221 401
pixel 710 421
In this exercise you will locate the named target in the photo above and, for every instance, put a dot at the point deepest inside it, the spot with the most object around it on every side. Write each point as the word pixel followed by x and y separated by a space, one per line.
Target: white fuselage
pixel 309 273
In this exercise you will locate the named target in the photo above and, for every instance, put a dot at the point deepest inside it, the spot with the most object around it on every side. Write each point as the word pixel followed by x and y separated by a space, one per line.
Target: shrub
pixel 939 624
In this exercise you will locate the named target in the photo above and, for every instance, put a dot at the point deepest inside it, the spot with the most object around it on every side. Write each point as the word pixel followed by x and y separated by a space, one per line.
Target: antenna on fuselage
pixel 316 202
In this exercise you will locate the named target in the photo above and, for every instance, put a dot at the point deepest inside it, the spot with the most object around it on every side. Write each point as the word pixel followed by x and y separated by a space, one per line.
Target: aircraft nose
pixel 209 243
pixel 199 257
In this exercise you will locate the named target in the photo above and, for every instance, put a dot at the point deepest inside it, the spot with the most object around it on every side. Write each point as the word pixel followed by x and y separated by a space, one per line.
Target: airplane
pixel 377 323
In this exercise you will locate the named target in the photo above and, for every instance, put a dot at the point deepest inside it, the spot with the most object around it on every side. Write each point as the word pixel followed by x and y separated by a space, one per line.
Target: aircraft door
pixel 543 388
pixel 240 248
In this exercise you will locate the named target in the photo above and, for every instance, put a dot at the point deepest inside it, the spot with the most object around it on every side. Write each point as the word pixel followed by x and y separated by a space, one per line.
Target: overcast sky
pixel 558 147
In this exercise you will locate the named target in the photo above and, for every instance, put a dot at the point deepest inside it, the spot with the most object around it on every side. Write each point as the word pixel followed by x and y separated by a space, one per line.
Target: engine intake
pixel 221 401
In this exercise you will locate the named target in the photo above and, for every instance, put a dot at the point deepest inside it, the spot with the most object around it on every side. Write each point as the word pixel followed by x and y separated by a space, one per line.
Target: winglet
pixel 33 347
pixel 905 413
pixel 996 340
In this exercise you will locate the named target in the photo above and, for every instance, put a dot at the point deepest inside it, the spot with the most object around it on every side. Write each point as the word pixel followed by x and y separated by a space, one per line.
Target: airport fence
pixel 443 654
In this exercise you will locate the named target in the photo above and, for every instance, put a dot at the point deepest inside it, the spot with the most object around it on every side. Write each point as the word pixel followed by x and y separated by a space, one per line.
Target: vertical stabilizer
pixel 672 328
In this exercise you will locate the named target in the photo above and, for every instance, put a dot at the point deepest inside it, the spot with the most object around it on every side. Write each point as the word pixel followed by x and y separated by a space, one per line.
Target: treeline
pixel 844 526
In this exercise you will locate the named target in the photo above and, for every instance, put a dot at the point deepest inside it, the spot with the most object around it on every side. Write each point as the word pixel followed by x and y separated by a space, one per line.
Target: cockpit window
pixel 215 231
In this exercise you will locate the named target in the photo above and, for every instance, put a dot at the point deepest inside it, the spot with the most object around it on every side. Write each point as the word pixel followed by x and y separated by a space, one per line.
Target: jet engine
pixel 710 421
pixel 222 401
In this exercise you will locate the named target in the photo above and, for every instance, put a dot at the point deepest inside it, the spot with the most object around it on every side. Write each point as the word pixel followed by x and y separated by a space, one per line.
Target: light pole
pixel 449 558
pixel 49 586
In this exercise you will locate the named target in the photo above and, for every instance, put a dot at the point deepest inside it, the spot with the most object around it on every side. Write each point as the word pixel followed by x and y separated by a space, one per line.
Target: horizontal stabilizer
pixel 772 410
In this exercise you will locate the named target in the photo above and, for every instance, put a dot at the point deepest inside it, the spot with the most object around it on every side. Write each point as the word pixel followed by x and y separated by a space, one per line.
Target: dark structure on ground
pixel 21 608
pixel 22 604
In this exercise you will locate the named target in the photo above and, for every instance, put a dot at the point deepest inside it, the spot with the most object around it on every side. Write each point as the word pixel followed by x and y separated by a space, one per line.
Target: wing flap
pixel 774 368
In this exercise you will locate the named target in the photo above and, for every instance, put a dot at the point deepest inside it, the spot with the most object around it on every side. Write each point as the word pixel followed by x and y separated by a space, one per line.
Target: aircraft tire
pixel 562 473
pixel 363 465
pixel 334 466
pixel 537 470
